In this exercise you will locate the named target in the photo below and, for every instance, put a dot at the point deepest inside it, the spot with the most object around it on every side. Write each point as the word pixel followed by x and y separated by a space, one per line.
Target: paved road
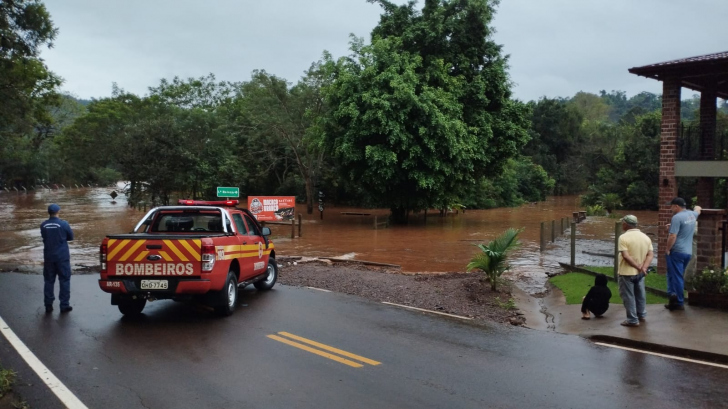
pixel 182 356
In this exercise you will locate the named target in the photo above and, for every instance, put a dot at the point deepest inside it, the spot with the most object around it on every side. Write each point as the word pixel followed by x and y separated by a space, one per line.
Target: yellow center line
pixel 331 349
pixel 316 351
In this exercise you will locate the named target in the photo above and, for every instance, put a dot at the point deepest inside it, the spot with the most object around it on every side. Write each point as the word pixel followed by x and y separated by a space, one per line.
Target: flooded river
pixel 437 244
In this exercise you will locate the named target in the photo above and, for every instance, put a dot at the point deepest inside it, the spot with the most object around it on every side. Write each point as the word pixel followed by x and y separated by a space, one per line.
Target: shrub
pixel 710 281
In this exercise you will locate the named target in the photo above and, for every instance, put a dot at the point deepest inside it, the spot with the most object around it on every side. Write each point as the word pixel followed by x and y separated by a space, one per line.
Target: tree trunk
pixel 399 215
pixel 309 195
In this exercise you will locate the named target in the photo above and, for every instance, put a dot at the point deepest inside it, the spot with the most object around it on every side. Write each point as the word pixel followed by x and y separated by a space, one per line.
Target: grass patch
pixel 576 285
pixel 7 379
pixel 653 280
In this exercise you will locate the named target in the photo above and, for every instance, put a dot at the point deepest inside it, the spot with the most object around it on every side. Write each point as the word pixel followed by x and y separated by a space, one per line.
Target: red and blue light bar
pixel 187 202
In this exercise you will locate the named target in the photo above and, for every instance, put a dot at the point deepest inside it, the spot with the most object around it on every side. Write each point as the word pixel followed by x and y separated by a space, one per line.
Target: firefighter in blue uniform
pixel 56 259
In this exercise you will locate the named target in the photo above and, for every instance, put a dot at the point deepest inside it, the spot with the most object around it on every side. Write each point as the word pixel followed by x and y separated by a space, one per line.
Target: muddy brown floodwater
pixel 437 244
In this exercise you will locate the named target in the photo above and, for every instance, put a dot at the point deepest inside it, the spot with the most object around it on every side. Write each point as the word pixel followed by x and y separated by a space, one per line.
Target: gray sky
pixel 557 47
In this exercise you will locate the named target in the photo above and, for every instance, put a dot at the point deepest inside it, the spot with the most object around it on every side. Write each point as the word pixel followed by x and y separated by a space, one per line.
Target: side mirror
pixel 266 231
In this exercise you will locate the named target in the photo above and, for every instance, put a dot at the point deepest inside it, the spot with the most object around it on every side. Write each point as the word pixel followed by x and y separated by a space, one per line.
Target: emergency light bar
pixel 208 203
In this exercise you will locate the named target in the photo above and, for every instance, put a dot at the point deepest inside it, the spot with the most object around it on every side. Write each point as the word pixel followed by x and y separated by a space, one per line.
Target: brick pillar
pixel 709 239
pixel 707 144
pixel 668 138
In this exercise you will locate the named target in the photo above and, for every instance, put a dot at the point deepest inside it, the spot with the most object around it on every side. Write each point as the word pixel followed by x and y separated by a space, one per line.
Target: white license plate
pixel 155 284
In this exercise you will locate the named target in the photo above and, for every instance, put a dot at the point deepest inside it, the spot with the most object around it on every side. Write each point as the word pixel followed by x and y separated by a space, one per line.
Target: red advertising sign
pixel 272 208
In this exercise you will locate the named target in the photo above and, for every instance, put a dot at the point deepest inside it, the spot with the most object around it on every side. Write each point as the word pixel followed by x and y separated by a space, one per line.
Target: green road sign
pixel 228 192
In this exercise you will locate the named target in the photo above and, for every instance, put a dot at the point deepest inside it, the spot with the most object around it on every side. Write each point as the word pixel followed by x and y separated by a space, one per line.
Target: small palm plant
pixel 493 256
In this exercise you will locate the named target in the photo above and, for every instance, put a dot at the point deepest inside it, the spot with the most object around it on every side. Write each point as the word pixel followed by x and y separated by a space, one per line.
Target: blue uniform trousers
pixel 62 269
pixel 676 264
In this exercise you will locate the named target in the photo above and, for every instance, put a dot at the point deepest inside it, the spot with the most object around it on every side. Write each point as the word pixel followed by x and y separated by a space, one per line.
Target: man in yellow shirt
pixel 635 256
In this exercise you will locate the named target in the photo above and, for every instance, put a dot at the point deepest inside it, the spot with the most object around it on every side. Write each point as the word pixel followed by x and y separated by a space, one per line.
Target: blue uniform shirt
pixel 683 224
pixel 56 235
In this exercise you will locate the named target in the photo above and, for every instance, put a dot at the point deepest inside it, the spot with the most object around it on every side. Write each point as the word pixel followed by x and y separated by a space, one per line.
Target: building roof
pixel 697 73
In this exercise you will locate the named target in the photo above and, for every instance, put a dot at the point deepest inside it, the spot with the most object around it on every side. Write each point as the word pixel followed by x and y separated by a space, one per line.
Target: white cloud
pixel 557 47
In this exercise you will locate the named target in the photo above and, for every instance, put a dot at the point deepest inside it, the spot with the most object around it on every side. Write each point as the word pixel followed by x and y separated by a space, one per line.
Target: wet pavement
pixel 697 330
pixel 432 244
pixel 182 356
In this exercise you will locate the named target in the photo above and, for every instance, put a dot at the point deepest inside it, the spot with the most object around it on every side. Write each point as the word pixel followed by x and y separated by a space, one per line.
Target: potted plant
pixel 709 288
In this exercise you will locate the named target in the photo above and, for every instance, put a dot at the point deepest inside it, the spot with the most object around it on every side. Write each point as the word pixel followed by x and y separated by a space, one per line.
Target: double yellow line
pixel 319 352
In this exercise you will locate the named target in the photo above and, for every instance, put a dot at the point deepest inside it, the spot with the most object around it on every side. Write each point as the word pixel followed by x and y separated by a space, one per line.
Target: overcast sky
pixel 556 47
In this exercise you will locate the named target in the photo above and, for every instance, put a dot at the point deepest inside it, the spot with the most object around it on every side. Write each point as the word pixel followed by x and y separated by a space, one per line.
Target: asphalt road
pixel 182 356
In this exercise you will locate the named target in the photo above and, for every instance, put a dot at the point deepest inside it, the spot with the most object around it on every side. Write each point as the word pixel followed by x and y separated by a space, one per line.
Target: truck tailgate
pixel 130 257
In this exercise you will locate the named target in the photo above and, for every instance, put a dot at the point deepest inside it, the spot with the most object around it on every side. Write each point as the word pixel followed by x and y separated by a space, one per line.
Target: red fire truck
pixel 203 250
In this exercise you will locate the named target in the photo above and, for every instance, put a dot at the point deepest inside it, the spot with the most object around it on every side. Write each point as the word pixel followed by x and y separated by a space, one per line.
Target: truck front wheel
pixel 270 280
pixel 132 306
pixel 228 296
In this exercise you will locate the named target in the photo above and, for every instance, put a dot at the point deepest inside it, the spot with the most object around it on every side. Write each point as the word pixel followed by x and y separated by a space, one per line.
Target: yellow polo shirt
pixel 637 245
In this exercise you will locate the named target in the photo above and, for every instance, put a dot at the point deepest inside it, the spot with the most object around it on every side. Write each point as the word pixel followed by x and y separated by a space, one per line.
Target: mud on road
pixel 453 293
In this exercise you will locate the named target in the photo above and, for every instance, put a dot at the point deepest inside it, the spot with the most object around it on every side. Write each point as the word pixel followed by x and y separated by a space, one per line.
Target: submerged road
pixel 302 348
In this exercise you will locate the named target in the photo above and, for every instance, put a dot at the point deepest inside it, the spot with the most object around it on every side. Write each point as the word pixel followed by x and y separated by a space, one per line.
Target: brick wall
pixel 668 137
pixel 709 239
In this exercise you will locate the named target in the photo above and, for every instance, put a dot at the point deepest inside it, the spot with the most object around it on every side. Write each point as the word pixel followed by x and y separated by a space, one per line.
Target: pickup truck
pixel 197 250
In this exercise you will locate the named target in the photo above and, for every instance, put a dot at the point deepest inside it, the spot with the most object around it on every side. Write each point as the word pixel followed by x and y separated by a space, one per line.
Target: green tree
pixel 424 111
pixel 557 142
pixel 27 87
pixel 492 259
pixel 274 114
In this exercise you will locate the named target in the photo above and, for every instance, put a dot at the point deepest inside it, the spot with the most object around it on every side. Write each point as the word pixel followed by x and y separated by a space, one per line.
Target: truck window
pixel 239 224
pixel 187 222
pixel 254 231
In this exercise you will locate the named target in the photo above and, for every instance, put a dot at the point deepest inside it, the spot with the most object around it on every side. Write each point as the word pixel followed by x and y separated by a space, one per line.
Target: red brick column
pixel 710 240
pixel 707 145
pixel 668 138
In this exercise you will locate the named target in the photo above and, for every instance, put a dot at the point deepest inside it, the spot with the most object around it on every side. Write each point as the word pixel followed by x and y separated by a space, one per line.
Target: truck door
pixel 259 260
pixel 246 247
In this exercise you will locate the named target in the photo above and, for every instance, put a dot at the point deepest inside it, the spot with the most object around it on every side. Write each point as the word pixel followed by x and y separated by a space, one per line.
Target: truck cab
pixel 197 249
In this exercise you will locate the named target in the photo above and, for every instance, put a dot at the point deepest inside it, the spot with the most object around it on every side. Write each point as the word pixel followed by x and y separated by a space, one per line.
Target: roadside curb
pixel 659 348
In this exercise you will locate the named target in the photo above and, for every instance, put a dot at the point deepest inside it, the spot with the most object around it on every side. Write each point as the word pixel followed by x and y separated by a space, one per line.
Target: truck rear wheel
pixel 228 296
pixel 270 280
pixel 132 306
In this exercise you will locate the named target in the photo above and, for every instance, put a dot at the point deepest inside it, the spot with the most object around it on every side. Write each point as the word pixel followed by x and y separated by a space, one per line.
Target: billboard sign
pixel 272 208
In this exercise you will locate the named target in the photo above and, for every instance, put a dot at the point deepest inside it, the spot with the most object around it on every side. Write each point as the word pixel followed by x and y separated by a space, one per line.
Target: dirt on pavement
pixel 465 294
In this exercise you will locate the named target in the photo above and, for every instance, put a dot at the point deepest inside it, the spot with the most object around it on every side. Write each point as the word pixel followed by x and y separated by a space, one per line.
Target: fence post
pixel 293 228
pixel 553 231
pixel 617 233
pixel 543 236
pixel 299 225
pixel 573 244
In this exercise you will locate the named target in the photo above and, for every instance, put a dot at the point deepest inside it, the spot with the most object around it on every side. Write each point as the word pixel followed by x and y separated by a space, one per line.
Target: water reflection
pixel 432 244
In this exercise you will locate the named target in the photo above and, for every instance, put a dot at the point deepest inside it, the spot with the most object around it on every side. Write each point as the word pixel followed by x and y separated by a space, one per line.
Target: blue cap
pixel 54 208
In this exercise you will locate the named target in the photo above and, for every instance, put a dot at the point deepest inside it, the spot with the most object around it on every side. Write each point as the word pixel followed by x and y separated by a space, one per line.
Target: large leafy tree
pixel 425 110
pixel 280 122
pixel 27 87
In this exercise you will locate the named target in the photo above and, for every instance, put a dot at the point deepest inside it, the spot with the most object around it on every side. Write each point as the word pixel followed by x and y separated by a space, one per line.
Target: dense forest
pixel 419 116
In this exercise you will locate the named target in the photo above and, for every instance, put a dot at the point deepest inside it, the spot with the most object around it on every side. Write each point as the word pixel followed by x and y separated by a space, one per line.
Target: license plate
pixel 155 284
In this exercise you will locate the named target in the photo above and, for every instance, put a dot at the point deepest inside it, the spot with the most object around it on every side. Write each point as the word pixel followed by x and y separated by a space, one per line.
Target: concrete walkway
pixel 696 331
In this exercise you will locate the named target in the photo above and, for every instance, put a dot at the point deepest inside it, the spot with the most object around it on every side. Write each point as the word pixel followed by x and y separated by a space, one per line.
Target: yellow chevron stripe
pixel 132 250
pixel 117 249
pixel 232 256
pixel 198 243
pixel 141 256
pixel 111 242
pixel 175 250
pixel 165 256
pixel 194 253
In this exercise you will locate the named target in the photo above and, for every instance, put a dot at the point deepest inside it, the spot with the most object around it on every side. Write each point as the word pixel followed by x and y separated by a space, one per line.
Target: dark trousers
pixel 594 308
pixel 62 269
